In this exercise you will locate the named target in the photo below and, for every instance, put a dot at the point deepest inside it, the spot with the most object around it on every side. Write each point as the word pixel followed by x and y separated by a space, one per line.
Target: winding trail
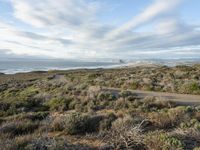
pixel 183 99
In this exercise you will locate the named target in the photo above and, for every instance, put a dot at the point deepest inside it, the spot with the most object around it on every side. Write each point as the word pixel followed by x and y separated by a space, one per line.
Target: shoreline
pixel 119 66
pixel 24 66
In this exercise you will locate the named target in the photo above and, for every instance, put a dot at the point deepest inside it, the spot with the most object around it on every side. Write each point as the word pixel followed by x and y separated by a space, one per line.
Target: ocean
pixel 11 66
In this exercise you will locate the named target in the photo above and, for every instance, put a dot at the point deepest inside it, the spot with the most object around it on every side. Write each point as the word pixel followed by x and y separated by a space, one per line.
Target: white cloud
pixel 70 29
pixel 44 13
pixel 157 9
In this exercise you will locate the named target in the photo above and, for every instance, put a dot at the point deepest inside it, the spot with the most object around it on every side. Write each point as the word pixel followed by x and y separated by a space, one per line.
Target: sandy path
pixel 184 99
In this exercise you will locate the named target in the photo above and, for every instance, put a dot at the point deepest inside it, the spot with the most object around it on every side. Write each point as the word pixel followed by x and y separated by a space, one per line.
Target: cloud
pixel 39 37
pixel 5 53
pixel 157 9
pixel 71 29
pixel 53 13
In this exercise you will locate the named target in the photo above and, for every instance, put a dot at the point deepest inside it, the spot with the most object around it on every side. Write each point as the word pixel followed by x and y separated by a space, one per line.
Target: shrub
pixel 19 127
pixel 125 136
pixel 159 140
pixel 76 123
pixel 193 123
pixel 39 143
pixel 17 143
pixel 93 91
pixel 121 104
pixel 73 104
pixel 154 104
pixel 59 104
pixel 126 121
pixel 191 88
pixel 168 119
pixel 102 96
pixel 190 136
pixel 126 93
pixel 58 124
pixel 134 85
pixel 35 116
pixel 106 123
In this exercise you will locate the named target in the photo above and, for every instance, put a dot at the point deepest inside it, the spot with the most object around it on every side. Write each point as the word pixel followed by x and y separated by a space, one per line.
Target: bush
pixel 106 123
pixel 168 119
pixel 190 136
pixel 121 104
pixel 159 140
pixel 124 122
pixel 154 104
pixel 39 143
pixel 17 143
pixel 191 88
pixel 76 123
pixel 125 135
pixel 81 124
pixel 106 96
pixel 59 104
pixel 19 128
pixel 35 116
pixel 193 123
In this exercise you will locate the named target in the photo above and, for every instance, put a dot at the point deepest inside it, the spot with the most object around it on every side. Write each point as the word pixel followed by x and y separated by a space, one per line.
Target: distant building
pixel 121 61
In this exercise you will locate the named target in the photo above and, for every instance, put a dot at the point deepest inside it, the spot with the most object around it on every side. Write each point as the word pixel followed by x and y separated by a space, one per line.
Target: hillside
pixel 100 109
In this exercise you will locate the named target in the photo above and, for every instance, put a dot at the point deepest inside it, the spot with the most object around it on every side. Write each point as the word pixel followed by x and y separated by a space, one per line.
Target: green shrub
pixel 170 142
pixel 193 123
pixel 134 85
pixel 162 141
pixel 106 96
pixel 59 104
pixel 191 88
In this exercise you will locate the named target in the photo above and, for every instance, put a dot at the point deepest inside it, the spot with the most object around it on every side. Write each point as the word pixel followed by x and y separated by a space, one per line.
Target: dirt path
pixel 178 98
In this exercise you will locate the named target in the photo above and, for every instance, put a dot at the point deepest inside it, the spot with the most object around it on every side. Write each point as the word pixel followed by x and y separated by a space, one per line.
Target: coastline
pixel 24 66
pixel 117 66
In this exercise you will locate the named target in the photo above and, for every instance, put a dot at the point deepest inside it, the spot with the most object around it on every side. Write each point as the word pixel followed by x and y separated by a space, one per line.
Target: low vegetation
pixel 72 110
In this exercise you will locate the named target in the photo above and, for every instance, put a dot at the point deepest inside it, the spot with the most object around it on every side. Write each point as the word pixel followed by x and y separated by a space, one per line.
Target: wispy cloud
pixel 71 29
pixel 54 13
pixel 157 9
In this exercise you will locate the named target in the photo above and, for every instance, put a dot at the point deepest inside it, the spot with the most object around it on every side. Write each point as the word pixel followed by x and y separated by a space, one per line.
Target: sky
pixel 100 29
